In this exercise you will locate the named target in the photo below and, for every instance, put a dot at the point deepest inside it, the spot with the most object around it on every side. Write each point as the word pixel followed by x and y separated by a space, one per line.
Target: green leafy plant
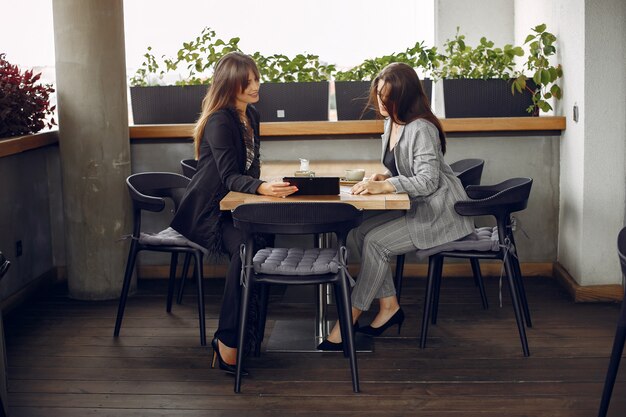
pixel 197 56
pixel 484 61
pixel 24 103
pixel 544 74
pixel 300 68
pixel 417 56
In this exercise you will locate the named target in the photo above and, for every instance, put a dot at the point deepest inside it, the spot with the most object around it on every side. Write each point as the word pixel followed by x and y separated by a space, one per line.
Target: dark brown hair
pixel 403 97
pixel 229 79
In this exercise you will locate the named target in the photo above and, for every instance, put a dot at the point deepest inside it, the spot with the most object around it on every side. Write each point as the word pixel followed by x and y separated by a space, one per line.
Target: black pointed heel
pixel 397 318
pixel 330 346
pixel 228 368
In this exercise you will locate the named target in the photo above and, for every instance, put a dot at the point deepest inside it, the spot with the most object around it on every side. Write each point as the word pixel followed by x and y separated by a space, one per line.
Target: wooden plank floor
pixel 63 360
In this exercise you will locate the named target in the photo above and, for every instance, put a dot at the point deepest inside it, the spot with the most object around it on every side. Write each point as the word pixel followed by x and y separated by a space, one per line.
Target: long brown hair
pixel 403 97
pixel 229 79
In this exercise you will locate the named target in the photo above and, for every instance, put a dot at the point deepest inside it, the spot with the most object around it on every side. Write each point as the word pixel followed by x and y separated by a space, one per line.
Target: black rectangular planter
pixel 169 104
pixel 484 98
pixel 351 98
pixel 289 102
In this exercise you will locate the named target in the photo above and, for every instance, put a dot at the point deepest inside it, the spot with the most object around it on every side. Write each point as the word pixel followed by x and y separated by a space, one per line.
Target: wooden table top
pixel 365 202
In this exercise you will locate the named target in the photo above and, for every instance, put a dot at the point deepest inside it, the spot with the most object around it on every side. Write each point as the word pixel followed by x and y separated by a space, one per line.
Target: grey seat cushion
pixel 169 237
pixel 296 261
pixel 483 239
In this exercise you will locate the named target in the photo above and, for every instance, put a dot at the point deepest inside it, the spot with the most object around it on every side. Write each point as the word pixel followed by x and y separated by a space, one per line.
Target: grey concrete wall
pixel 30 212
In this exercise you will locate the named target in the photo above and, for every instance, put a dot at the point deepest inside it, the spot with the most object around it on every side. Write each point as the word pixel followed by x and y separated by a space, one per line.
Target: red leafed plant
pixel 24 104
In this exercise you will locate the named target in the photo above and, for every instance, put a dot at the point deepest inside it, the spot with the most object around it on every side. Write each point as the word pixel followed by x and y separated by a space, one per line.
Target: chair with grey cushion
pixel 148 191
pixel 499 201
pixel 620 334
pixel 469 171
pixel 295 266
pixel 189 168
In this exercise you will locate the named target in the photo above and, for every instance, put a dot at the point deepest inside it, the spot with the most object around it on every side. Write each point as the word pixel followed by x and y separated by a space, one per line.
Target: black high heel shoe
pixel 397 318
pixel 230 369
pixel 335 347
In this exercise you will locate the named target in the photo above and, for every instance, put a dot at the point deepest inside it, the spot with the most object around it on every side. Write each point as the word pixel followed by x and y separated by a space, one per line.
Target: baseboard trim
pixel 46 280
pixel 587 293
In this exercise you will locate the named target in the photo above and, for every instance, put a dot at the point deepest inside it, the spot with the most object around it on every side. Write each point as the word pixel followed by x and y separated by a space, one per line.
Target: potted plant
pixel 293 89
pixel 24 102
pixel 352 86
pixel 477 80
pixel 542 85
pixel 153 103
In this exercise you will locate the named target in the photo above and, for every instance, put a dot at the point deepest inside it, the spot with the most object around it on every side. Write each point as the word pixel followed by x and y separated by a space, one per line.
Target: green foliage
pixel 198 56
pixel 301 68
pixel 544 74
pixel 482 61
pixel 417 56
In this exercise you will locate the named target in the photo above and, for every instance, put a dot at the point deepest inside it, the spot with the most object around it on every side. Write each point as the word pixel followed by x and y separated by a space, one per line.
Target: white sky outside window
pixel 341 32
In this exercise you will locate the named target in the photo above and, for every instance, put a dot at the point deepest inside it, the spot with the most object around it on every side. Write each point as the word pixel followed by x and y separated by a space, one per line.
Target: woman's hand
pixel 373 187
pixel 379 177
pixel 276 189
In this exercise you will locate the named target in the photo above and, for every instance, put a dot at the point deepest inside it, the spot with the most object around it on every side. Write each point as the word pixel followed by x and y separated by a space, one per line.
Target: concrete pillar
pixel 94 143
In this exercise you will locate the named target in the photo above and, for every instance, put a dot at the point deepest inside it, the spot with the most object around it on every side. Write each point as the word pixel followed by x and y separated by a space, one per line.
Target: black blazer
pixel 221 168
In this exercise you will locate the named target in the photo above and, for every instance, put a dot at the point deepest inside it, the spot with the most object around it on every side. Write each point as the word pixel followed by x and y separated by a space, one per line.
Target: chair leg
pixel 342 327
pixel 616 355
pixel 478 280
pixel 198 274
pixel 398 276
pixel 516 303
pixel 172 281
pixel 246 290
pixel 128 274
pixel 263 300
pixel 436 291
pixel 183 278
pixel 519 282
pixel 433 262
pixel 345 317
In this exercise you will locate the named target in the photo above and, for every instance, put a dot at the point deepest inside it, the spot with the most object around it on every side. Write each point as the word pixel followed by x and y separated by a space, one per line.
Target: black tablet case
pixel 314 185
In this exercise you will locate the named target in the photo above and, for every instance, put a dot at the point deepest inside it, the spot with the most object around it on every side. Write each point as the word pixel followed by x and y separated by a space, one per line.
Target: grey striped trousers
pixel 378 239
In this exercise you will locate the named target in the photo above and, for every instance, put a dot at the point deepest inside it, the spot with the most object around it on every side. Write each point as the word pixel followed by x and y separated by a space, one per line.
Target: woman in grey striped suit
pixel 413 145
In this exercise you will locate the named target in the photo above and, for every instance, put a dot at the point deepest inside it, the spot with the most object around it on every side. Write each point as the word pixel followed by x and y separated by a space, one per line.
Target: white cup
pixel 355 174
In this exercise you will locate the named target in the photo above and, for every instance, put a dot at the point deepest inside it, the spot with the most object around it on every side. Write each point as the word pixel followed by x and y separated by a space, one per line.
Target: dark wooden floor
pixel 63 360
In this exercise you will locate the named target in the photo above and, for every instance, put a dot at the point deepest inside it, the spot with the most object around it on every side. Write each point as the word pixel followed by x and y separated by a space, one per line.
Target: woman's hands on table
pixel 276 189
pixel 376 184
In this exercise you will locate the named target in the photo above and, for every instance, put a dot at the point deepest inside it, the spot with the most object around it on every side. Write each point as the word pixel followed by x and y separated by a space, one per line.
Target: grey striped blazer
pixel 430 183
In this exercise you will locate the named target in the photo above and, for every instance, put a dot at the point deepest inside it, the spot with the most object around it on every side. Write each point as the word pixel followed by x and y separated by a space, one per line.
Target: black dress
pixel 221 168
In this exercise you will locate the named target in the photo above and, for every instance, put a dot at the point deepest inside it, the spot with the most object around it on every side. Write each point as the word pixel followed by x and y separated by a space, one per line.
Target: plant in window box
pixel 293 88
pixel 542 86
pixel 352 86
pixel 155 102
pixel 477 79
pixel 24 102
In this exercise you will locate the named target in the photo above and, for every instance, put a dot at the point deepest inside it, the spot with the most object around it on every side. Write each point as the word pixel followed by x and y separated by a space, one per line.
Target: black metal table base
pixel 298 336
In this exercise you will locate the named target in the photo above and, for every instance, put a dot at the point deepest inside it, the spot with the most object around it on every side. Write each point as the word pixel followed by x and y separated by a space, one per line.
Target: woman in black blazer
pixel 226 139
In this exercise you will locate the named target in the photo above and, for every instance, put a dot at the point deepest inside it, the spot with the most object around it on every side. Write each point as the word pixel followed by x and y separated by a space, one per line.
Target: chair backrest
pixel 148 191
pixel 499 200
pixel 621 249
pixel 189 167
pixel 297 218
pixel 469 171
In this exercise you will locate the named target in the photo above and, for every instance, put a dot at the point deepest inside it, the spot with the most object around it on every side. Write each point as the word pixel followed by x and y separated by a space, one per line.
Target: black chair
pixel 469 171
pixel 287 266
pixel 147 191
pixel 620 335
pixel 189 168
pixel 499 201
